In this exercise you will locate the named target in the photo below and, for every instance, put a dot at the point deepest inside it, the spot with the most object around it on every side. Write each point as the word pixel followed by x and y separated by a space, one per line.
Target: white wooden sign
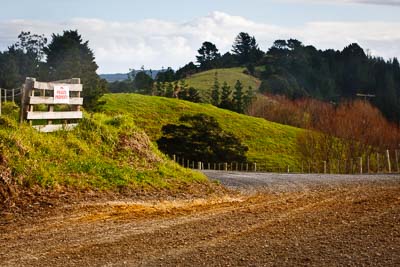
pixel 61 94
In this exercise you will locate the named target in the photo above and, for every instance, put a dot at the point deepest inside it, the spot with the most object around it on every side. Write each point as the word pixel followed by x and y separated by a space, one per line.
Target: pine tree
pixel 69 56
pixel 160 90
pixel 248 98
pixel 170 90
pixel 193 95
pixel 238 100
pixel 226 97
pixel 215 91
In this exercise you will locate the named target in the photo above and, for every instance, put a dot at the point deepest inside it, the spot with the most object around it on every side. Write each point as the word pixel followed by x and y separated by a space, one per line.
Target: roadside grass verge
pixel 102 153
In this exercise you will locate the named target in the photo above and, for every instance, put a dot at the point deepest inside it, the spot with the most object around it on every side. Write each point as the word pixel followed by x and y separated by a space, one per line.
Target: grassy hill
pixel 104 153
pixel 203 81
pixel 269 143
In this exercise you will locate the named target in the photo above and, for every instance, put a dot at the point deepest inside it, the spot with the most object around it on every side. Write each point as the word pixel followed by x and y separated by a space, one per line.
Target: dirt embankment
pixel 347 224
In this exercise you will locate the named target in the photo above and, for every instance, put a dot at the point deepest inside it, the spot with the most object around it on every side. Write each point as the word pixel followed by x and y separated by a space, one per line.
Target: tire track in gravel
pixel 296 226
pixel 285 215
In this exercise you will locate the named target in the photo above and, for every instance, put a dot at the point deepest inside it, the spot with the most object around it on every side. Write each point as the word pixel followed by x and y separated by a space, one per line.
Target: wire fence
pixel 9 95
pixel 375 163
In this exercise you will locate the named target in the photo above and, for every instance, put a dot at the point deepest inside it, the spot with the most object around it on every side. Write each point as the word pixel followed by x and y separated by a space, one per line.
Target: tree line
pixel 64 57
pixel 288 68
pixel 296 70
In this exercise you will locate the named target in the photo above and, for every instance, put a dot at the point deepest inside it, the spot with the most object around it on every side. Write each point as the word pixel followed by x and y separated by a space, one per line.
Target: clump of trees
pixel 200 138
pixel 236 100
pixel 349 130
pixel 164 85
pixel 296 70
pixel 64 57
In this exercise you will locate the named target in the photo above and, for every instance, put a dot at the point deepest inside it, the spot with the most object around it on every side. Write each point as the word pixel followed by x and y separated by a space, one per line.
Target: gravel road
pixel 288 220
pixel 286 182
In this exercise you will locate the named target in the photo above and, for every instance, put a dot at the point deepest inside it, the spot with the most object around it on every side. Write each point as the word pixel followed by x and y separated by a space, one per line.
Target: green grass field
pixel 203 81
pixel 269 143
pixel 103 153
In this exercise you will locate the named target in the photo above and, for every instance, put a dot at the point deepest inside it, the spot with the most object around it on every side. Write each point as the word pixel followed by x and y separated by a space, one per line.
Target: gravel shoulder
pixel 286 182
pixel 318 221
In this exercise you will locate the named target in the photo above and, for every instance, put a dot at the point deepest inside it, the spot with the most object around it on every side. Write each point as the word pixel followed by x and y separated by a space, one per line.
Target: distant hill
pixel 269 143
pixel 113 77
pixel 203 81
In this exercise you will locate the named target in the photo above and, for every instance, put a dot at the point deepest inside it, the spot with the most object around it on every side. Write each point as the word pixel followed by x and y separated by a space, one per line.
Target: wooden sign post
pixel 59 94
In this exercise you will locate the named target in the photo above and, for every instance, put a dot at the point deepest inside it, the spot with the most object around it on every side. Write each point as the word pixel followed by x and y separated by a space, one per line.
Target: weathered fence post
pixel 225 166
pixel 288 169
pixel 247 167
pixel 255 166
pixel 361 167
pixel 351 166
pixel 388 161
pixel 199 165
pixel 377 162
pixel 173 157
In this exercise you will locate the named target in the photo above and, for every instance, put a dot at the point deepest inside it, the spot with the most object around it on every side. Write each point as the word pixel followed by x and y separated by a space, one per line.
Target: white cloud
pixel 369 2
pixel 119 46
pixel 378 2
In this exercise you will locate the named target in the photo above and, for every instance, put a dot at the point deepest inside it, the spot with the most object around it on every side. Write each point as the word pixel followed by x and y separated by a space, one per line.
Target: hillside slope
pixel 203 81
pixel 269 143
pixel 103 153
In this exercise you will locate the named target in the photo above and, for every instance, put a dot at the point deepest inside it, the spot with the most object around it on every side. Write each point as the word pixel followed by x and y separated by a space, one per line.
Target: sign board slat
pixel 55 127
pixel 34 100
pixel 50 86
pixel 63 115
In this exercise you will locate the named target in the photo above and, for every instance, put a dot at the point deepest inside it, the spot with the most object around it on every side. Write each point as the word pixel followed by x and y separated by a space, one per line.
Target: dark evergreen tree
pixel 160 89
pixel 200 138
pixel 167 75
pixel 193 95
pixel 22 59
pixel 185 71
pixel 215 94
pixel 67 57
pixel 208 56
pixel 169 90
pixel 238 97
pixel 143 83
pixel 226 97
pixel 245 48
pixel 249 97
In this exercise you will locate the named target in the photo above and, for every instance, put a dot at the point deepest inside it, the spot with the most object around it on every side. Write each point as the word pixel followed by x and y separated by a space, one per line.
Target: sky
pixel 128 34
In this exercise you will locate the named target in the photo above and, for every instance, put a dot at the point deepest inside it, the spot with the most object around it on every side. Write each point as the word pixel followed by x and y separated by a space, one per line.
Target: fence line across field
pixel 4 96
pixel 378 163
